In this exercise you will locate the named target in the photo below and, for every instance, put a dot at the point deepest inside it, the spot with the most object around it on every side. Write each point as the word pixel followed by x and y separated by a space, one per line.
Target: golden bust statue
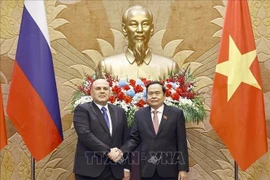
pixel 138 60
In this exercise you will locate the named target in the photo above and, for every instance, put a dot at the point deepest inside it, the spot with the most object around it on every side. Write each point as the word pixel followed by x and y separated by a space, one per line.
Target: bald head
pixel 100 81
pixel 100 91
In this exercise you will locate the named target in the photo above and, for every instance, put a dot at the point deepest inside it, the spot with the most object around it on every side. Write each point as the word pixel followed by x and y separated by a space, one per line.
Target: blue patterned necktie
pixel 105 115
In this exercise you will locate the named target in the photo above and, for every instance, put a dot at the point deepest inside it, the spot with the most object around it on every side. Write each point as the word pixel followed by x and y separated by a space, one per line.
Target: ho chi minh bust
pixel 138 60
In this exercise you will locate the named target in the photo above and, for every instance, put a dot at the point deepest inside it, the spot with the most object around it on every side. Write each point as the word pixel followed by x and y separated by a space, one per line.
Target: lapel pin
pixel 164 117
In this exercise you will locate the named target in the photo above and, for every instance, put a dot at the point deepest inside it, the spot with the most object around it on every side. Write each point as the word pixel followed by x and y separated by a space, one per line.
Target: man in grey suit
pixel 100 127
pixel 161 132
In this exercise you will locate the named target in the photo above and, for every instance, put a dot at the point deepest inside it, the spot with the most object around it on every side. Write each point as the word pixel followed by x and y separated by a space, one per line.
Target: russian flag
pixel 3 133
pixel 33 101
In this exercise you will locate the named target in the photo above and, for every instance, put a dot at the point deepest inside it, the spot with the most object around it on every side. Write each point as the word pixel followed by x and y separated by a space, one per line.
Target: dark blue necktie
pixel 105 115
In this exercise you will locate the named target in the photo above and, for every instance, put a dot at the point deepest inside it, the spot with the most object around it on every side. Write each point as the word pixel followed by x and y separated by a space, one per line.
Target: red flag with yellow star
pixel 237 110
pixel 3 134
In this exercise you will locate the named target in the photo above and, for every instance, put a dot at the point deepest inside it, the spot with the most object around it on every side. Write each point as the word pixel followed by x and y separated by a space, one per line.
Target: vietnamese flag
pixel 3 133
pixel 33 105
pixel 237 110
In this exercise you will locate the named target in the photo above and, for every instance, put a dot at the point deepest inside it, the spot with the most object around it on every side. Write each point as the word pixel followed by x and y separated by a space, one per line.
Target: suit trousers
pixel 106 174
pixel 157 177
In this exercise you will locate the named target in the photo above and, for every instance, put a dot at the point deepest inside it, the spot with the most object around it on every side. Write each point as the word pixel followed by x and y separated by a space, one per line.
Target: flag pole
pixel 235 170
pixel 32 168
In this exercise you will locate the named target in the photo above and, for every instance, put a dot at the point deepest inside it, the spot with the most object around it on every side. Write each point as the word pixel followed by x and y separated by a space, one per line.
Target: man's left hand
pixel 182 175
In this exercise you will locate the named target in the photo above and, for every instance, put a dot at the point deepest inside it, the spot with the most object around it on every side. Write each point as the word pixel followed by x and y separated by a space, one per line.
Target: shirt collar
pixel 131 59
pixel 99 106
pixel 160 109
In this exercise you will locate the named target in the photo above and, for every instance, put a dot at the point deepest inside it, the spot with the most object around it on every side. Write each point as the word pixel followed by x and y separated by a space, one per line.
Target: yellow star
pixel 237 68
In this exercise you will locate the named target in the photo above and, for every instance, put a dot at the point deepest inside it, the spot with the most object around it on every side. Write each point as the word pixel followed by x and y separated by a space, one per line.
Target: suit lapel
pixel 100 117
pixel 149 120
pixel 114 118
pixel 164 118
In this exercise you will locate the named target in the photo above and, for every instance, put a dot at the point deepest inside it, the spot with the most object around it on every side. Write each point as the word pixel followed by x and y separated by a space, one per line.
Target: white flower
pixel 124 105
pixel 190 88
pixel 86 85
pixel 168 101
pixel 186 101
pixel 83 99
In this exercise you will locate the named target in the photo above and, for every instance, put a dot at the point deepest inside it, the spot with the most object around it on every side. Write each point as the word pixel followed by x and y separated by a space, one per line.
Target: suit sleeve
pixel 182 143
pixel 125 129
pixel 134 139
pixel 82 127
pixel 125 137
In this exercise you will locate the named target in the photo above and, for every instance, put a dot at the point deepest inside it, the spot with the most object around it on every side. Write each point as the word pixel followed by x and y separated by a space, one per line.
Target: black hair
pixel 156 82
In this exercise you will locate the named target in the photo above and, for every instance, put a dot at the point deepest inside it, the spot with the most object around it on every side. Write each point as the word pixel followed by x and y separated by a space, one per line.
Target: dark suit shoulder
pixel 142 110
pixel 117 108
pixel 84 105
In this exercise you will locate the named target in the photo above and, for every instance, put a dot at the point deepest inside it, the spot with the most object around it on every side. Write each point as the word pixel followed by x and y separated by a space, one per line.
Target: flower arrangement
pixel 130 94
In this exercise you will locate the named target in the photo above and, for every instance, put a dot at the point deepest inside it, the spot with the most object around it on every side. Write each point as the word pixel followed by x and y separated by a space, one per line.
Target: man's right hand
pixel 115 154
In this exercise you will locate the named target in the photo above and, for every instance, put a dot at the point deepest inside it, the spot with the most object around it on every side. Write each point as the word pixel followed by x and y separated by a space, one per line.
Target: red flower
pixel 179 85
pixel 141 103
pixel 88 92
pixel 109 78
pixel 120 96
pixel 88 78
pixel 179 90
pixel 126 87
pixel 138 88
pixel 110 83
pixel 145 81
pixel 116 89
pixel 170 79
pixel 189 95
pixel 169 86
pixel 168 93
pixel 181 80
pixel 132 82
pixel 184 89
pixel 127 99
pixel 175 96
pixel 112 99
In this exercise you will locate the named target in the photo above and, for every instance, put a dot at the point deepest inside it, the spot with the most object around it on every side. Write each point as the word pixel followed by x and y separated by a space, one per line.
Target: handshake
pixel 116 155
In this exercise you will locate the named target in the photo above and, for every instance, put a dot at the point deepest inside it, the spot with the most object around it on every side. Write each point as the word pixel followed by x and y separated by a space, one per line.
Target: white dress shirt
pixel 159 113
pixel 108 113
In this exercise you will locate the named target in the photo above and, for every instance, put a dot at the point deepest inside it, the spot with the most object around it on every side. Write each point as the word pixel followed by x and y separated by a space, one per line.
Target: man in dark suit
pixel 161 132
pixel 99 126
